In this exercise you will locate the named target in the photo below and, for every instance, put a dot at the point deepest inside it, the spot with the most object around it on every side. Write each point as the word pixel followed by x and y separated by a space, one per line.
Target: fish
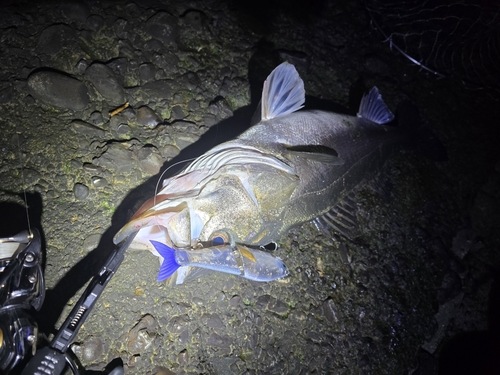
pixel 290 167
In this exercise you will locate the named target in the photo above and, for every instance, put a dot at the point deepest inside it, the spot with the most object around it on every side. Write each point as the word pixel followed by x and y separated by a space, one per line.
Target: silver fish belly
pixel 289 168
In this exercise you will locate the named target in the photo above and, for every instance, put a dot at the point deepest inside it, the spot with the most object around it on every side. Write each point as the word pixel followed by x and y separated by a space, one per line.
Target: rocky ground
pixel 417 292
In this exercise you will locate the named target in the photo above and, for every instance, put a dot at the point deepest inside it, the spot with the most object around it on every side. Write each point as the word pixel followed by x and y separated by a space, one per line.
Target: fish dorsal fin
pixel 283 92
pixel 373 108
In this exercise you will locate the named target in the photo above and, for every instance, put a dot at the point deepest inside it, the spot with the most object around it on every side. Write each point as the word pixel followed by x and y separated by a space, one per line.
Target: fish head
pixel 235 202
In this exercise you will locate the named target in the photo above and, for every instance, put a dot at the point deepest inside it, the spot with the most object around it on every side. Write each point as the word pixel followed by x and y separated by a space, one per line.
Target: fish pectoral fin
pixel 283 92
pixel 319 153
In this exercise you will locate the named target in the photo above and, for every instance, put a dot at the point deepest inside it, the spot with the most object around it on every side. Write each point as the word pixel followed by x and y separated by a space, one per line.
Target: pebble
pixel 158 89
pixel 59 90
pixel 92 168
pixel 81 66
pixel 150 160
pixel 98 182
pixel 121 29
pixel 91 242
pixel 6 94
pixel 106 83
pixel 91 350
pixel 329 311
pixel 142 336
pixel 183 357
pixel 163 27
pixel 81 191
pixel 147 117
pixel 31 176
pixel 215 322
pixel 195 19
pixel 96 118
pixel 177 113
pixel 147 72
pixel 116 157
pixel 95 22
pixel 170 151
pixel 219 341
pixel 85 128
pixel 54 38
pixel 123 129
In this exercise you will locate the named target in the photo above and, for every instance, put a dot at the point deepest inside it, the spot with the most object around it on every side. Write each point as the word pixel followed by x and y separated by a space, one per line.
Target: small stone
pixel 98 182
pixel 147 72
pixel 235 301
pixel 142 336
pixel 157 90
pixel 195 19
pixel 81 66
pixel 183 357
pixel 123 129
pixel 116 157
pixel 81 191
pixel 147 117
pixel 59 90
pixel 193 105
pixel 91 350
pixel 163 27
pixel 170 151
pixel 219 341
pixel 220 108
pixel 91 242
pixel 85 128
pixel 215 322
pixel 106 83
pixel 54 38
pixel 177 113
pixel 96 118
pixel 6 94
pixel 89 167
pixel 150 160
pixel 95 22
pixel 329 311
pixel 121 29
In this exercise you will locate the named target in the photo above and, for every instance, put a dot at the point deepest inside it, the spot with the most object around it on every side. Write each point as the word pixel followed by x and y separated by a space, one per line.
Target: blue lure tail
pixel 169 265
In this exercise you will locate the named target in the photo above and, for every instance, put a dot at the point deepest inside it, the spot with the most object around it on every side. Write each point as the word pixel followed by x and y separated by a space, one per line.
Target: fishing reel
pixel 22 287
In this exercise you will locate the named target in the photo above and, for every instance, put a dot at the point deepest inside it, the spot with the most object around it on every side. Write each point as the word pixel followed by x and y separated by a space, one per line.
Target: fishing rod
pixel 22 286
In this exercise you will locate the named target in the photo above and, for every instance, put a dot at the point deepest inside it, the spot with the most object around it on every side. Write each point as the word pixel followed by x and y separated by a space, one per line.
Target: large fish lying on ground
pixel 289 168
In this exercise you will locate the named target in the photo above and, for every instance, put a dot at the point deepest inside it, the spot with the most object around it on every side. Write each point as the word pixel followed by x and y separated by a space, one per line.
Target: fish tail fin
pixel 169 265
pixel 421 139
pixel 373 108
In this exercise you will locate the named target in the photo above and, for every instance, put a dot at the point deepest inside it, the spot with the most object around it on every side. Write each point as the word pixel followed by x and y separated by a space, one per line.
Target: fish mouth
pixel 150 221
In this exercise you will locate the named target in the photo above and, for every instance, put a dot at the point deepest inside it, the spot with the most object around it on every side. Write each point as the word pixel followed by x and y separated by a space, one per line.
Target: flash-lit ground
pixel 424 270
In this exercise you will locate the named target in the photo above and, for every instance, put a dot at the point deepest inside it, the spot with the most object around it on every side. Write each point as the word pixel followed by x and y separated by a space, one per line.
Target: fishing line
pixel 24 184
pixel 159 179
